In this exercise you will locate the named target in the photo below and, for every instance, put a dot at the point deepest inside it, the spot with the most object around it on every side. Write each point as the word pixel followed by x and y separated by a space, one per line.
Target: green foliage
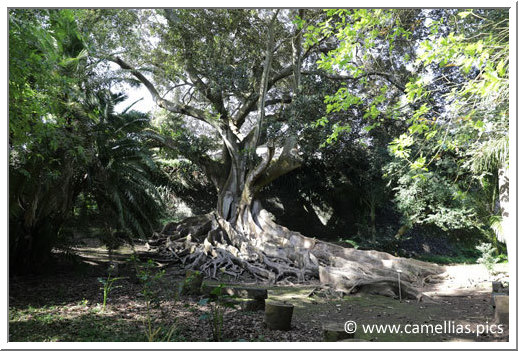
pixel 488 258
pixel 434 196
pixel 124 177
pixel 218 303
pixel 495 222
pixel 44 132
pixel 362 35
pixel 449 88
pixel 490 155
pixel 474 132
pixel 150 278
pixel 107 287
pixel 46 57
pixel 67 146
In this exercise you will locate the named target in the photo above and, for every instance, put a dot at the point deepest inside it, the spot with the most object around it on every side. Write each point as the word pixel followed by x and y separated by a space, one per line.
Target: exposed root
pixel 265 251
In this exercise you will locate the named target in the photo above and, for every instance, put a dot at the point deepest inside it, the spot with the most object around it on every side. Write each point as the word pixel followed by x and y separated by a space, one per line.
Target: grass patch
pixel 76 324
pixel 447 259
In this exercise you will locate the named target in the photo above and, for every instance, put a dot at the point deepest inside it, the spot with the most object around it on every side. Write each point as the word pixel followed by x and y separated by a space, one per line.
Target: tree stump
pixel 493 297
pixel 336 332
pixel 192 283
pixel 502 309
pixel 277 315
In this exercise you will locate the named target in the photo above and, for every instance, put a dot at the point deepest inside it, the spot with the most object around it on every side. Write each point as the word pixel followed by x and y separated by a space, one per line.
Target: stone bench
pixel 241 292
pixel 249 299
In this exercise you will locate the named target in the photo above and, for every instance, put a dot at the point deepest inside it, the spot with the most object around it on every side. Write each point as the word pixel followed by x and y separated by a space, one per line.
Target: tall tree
pixel 45 70
pixel 443 76
pixel 66 142
pixel 461 121
pixel 232 72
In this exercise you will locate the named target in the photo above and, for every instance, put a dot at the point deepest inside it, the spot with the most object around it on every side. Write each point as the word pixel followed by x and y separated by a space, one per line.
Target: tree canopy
pixel 445 75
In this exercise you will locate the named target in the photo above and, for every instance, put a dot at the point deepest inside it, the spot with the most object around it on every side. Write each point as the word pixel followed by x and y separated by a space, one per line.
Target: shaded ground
pixel 65 305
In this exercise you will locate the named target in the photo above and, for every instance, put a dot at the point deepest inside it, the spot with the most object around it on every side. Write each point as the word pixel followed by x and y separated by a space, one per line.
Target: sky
pixel 146 104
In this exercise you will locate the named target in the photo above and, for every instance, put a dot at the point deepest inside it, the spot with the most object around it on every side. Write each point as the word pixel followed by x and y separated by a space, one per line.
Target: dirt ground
pixel 65 305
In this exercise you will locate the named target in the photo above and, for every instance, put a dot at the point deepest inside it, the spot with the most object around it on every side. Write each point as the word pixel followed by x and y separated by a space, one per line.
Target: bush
pixel 488 258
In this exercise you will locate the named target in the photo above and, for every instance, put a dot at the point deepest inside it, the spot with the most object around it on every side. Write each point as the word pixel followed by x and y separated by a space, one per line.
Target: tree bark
pixel 252 242
pixel 503 192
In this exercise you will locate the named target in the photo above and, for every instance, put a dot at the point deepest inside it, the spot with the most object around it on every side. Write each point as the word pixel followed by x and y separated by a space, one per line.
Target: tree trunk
pixel 242 237
pixel 372 217
pixel 503 192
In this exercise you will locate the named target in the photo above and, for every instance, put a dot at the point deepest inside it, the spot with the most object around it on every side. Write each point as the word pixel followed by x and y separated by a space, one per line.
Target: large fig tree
pixel 230 74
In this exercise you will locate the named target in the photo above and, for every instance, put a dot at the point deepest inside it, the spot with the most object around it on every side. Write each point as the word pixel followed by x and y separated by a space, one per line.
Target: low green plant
pixel 107 287
pixel 350 242
pixel 150 278
pixel 154 334
pixel 186 286
pixel 218 303
pixel 441 259
pixel 502 258
pixel 488 258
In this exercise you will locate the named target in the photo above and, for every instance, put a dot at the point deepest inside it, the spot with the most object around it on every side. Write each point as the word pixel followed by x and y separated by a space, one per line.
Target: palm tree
pixel 70 144
pixel 492 156
pixel 123 178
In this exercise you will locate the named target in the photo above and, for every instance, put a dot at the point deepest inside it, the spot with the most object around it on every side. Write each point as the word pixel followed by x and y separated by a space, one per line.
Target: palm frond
pixel 496 224
pixel 490 155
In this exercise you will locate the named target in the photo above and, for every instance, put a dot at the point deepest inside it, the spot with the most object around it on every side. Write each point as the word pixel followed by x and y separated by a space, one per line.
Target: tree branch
pixel 264 79
pixel 163 103
pixel 213 169
pixel 212 95
pixel 286 163
pixel 296 45
pixel 251 102
pixel 215 97
pixel 261 167
pixel 387 76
